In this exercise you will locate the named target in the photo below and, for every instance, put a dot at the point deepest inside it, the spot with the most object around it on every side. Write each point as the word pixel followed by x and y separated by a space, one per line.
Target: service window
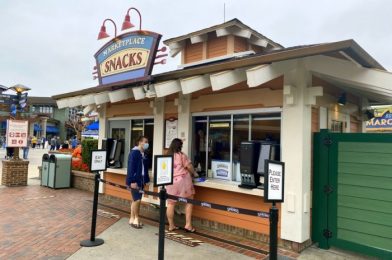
pixel 217 139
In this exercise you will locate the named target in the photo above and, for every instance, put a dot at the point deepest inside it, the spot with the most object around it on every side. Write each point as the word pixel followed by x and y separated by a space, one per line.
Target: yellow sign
pixel 126 60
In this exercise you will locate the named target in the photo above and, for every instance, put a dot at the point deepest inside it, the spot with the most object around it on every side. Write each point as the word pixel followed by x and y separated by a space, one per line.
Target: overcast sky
pixel 49 45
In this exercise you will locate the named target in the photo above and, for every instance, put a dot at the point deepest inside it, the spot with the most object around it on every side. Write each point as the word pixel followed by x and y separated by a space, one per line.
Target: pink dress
pixel 182 183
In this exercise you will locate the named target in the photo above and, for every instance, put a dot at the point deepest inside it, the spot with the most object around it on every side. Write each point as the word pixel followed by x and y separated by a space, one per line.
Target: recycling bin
pixel 59 171
pixel 45 170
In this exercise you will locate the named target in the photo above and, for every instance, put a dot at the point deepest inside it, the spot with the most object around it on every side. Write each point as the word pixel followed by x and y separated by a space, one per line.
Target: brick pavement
pixel 41 223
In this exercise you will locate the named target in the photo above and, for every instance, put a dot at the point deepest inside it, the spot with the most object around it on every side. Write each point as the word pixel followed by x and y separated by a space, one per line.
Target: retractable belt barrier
pixel 204 204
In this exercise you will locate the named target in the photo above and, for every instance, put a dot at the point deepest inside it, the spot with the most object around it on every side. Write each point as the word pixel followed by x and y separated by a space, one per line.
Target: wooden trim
pixel 230 44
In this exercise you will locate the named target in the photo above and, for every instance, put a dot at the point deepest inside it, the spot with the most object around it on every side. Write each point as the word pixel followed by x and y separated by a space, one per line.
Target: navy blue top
pixel 134 171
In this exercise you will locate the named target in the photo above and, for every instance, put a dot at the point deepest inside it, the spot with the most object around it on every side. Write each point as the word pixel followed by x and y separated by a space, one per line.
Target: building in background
pixel 45 118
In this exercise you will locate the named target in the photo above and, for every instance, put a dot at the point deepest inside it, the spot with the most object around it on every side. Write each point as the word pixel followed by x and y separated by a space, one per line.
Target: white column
pixel 159 124
pixel 185 122
pixel 31 128
pixel 102 125
pixel 43 126
pixel 296 153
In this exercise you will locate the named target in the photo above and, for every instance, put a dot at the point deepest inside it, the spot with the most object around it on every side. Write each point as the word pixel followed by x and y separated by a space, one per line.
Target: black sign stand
pixel 273 245
pixel 96 166
pixel 93 240
pixel 274 212
pixel 162 219
pixel 162 202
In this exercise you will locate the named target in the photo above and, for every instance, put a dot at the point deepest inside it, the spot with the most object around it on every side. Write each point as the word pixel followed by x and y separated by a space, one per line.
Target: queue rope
pixel 204 204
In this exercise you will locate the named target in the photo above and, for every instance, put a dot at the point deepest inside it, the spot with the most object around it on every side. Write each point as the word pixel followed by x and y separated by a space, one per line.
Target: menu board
pixel 171 131
pixel 163 170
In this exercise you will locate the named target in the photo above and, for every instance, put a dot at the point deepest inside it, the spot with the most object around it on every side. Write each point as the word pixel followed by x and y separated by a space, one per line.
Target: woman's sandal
pixel 137 226
pixel 193 230
pixel 173 229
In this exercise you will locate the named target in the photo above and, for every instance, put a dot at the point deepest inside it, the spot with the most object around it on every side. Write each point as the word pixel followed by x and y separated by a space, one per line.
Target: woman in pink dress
pixel 182 185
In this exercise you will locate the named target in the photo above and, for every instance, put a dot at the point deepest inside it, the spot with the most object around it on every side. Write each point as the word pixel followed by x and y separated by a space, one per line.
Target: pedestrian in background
pixel 43 142
pixel 53 143
pixel 74 142
pixel 182 185
pixel 34 141
pixel 137 178
pixel 27 148
pixel 39 143
pixel 58 143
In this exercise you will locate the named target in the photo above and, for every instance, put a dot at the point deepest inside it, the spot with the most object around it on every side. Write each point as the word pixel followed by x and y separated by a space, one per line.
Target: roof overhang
pixel 355 70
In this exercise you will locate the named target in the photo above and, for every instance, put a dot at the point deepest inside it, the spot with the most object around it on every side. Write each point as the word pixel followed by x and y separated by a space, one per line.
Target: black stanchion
pixel 162 219
pixel 94 241
pixel 273 245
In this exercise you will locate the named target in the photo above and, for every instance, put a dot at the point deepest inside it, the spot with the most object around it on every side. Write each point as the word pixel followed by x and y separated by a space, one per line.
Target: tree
pixel 78 124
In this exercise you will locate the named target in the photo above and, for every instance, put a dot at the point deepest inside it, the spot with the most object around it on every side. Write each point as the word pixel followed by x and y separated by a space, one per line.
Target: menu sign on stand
pixel 273 192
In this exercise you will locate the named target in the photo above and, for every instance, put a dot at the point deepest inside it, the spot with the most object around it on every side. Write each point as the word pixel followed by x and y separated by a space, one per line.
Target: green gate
pixel 352 192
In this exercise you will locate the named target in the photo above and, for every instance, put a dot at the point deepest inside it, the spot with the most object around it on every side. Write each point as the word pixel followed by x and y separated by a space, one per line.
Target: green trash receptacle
pixel 45 170
pixel 59 171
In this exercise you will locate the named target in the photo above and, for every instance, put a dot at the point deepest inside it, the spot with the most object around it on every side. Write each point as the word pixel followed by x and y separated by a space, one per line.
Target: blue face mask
pixel 145 146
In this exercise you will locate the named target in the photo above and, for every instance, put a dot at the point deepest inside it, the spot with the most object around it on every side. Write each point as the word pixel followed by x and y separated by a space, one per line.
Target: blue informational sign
pixel 127 58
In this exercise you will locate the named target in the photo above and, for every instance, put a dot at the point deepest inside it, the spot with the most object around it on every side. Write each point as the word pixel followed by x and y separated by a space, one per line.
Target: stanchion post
pixel 94 241
pixel 162 219
pixel 273 246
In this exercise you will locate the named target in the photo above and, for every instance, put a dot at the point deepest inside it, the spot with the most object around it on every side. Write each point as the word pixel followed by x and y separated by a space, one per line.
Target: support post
pixel 162 218
pixel 94 241
pixel 273 245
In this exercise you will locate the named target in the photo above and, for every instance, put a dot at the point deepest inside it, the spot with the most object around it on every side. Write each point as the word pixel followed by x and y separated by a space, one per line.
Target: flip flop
pixel 136 226
pixel 193 230
pixel 175 228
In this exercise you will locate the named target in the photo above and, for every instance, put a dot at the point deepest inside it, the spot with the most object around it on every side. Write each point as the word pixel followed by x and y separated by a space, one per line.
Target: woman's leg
pixel 131 215
pixel 170 215
pixel 188 215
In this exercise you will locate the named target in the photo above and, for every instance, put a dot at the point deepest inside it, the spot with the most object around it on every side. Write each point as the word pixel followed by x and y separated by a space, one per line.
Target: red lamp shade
pixel 127 23
pixel 102 33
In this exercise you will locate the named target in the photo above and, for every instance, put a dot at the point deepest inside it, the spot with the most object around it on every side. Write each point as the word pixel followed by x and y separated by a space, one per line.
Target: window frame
pixel 232 113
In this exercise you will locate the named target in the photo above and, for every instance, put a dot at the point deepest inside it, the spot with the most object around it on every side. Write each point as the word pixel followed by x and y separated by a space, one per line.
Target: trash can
pixel 59 171
pixel 45 170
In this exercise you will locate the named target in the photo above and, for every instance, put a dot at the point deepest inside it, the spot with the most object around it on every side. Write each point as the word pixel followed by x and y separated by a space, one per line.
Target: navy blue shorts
pixel 136 195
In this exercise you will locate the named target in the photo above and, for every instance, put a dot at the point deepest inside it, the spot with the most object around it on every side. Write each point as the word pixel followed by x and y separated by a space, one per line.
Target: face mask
pixel 145 146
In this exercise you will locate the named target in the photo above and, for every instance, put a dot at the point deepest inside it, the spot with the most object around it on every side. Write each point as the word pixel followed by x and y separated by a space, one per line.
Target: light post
pixel 19 89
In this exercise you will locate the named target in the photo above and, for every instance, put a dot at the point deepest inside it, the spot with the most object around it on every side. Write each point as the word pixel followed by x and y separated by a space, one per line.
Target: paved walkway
pixel 123 242
pixel 41 223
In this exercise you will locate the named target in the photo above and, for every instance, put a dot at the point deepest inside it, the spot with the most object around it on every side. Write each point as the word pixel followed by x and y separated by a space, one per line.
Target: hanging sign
pixel 17 132
pixel 127 58
pixel 98 160
pixel 274 181
pixel 163 169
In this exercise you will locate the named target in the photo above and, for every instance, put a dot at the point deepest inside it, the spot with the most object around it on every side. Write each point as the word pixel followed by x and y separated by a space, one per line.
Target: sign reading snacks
pixel 274 181
pixel 163 168
pixel 17 131
pixel 98 160
pixel 127 58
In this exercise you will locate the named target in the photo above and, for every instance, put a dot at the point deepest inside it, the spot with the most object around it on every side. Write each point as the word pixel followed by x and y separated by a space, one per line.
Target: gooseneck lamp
pixel 103 34
pixel 127 20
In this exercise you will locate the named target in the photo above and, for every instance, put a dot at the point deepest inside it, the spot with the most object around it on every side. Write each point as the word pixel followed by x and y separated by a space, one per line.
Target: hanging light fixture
pixel 342 99
pixel 103 34
pixel 127 20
